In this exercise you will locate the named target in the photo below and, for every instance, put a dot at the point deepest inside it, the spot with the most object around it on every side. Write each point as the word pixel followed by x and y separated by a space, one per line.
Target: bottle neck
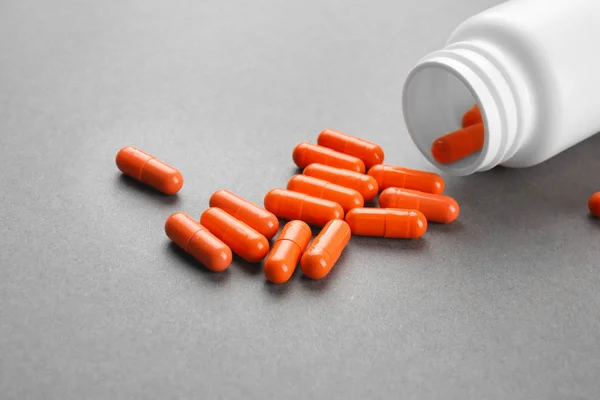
pixel 447 83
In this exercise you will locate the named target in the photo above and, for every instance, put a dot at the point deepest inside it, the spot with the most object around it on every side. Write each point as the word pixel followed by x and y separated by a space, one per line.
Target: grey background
pixel 96 304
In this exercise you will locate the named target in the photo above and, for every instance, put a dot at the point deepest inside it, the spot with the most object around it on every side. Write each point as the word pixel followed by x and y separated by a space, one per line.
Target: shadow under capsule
pixel 373 203
pixel 593 220
pixel 279 290
pixel 320 285
pixel 317 286
pixel 382 245
pixel 451 228
pixel 248 268
pixel 194 265
pixel 128 183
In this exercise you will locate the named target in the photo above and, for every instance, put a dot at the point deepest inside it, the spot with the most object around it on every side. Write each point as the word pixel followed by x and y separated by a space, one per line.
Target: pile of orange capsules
pixel 330 193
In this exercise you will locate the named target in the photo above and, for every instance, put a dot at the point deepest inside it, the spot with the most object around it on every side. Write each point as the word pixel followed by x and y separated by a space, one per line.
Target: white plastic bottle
pixel 532 66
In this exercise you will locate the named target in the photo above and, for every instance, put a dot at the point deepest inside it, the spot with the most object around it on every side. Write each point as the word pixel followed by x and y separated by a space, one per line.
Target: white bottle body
pixel 532 66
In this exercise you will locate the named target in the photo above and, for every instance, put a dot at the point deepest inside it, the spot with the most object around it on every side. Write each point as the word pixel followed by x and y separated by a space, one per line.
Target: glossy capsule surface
pixel 293 205
pixel 287 250
pixel 254 216
pixel 369 152
pixel 472 116
pixel 197 241
pixel 322 254
pixel 594 204
pixel 147 169
pixel 345 197
pixel 459 144
pixel 405 178
pixel 243 240
pixel 387 222
pixel 435 207
pixel 307 153
pixel 364 184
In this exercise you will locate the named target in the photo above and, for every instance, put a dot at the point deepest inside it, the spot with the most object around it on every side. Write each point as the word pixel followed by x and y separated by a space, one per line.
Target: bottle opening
pixel 445 118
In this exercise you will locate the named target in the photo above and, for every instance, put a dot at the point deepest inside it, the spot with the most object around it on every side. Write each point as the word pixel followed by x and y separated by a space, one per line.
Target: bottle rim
pixel 441 88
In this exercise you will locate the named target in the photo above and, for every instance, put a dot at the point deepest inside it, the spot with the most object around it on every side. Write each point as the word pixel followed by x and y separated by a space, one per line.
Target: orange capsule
pixel 287 250
pixel 458 144
pixel 387 222
pixel 594 204
pixel 307 153
pixel 243 240
pixel 322 254
pixel 435 207
pixel 370 153
pixel 345 197
pixel 293 205
pixel 197 241
pixel 254 216
pixel 391 176
pixel 147 169
pixel 472 117
pixel 364 184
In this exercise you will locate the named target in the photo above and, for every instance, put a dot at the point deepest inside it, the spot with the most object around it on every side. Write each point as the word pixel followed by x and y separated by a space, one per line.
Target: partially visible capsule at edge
pixel 197 241
pixel 148 169
pixel 594 204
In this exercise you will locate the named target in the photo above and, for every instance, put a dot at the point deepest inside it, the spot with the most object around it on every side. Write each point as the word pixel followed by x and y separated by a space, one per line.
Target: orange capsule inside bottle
pixel 369 152
pixel 307 153
pixel 472 116
pixel 364 184
pixel 254 216
pixel 243 240
pixel 197 241
pixel 435 207
pixel 594 204
pixel 392 176
pixel 458 144
pixel 322 254
pixel 387 222
pixel 345 197
pixel 147 169
pixel 293 205
pixel 287 250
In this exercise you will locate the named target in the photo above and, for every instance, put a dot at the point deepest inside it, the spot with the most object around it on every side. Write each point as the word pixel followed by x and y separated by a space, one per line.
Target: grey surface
pixel 96 304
